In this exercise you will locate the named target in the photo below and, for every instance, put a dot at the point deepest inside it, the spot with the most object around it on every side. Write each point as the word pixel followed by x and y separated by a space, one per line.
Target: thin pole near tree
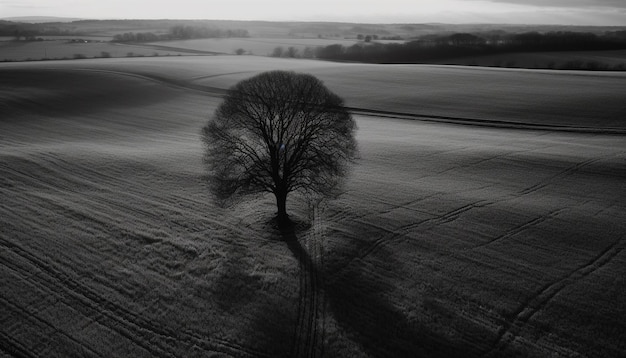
pixel 279 132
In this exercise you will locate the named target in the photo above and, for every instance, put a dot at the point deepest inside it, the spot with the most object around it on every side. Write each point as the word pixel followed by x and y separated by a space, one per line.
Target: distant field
pixel 60 47
pixel 63 49
pixel 476 240
pixel 255 46
pixel 515 96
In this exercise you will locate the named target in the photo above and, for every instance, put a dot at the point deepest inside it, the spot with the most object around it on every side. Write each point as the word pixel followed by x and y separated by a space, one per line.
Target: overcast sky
pixel 578 12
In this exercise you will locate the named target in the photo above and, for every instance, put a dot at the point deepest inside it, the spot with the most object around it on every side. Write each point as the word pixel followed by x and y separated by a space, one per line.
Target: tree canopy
pixel 279 132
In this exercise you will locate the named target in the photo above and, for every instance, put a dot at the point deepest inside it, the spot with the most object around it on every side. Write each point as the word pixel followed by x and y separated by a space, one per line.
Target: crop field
pixel 62 49
pixel 257 45
pixel 485 217
pixel 65 49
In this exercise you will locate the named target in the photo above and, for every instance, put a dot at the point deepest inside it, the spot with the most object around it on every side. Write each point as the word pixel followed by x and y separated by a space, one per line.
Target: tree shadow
pixel 261 322
pixel 358 301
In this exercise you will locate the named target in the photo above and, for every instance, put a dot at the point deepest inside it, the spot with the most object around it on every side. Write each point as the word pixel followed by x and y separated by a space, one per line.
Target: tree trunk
pixel 281 203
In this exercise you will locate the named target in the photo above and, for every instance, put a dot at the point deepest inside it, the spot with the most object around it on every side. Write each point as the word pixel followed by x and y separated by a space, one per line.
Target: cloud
pixel 618 4
pixel 567 12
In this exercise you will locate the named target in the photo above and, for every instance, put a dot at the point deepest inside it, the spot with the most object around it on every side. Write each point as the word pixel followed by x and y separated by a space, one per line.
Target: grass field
pixel 58 49
pixel 257 46
pixel 65 49
pixel 491 224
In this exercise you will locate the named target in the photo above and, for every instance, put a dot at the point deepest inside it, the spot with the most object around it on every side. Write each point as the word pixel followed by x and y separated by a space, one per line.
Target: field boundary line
pixel 490 123
pixel 477 122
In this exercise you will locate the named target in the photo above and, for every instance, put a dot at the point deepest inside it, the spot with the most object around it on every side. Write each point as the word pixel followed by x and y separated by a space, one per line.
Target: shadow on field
pixel 356 299
pixel 62 93
pixel 262 322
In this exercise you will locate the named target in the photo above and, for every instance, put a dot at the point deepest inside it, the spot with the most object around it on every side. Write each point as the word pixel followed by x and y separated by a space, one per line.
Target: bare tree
pixel 279 132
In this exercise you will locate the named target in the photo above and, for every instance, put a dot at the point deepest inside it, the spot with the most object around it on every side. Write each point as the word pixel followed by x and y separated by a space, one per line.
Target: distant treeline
pixel 26 31
pixel 438 47
pixel 170 30
pixel 180 33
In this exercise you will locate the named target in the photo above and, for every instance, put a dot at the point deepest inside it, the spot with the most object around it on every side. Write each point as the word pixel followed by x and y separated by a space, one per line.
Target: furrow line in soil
pixel 401 233
pixel 521 228
pixel 321 292
pixel 454 214
pixel 311 339
pixel 442 219
pixel 307 339
pixel 14 348
pixel 302 306
pixel 101 199
pixel 129 324
pixel 128 187
pixel 531 306
pixel 542 184
pixel 316 340
pixel 40 322
pixel 63 290
pixel 407 205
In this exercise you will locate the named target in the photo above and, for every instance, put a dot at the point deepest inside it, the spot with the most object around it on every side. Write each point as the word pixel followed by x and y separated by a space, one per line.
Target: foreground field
pixel 472 240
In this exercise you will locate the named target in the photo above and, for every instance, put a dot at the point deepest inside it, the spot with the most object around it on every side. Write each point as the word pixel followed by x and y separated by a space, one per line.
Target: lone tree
pixel 279 132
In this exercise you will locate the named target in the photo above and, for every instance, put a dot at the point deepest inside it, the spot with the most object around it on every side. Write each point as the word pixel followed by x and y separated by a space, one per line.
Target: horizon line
pixel 70 19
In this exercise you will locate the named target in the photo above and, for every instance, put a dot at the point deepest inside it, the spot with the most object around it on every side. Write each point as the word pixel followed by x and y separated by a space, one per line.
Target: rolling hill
pixel 484 218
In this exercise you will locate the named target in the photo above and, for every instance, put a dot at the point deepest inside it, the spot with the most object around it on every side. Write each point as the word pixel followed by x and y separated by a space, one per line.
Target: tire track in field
pixel 309 337
pixel 93 306
pixel 532 305
pixel 14 348
pixel 407 205
pixel 544 183
pixel 39 321
pixel 320 304
pixel 438 220
pixel 532 189
pixel 125 322
pixel 454 214
pixel 521 228
pixel 400 234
